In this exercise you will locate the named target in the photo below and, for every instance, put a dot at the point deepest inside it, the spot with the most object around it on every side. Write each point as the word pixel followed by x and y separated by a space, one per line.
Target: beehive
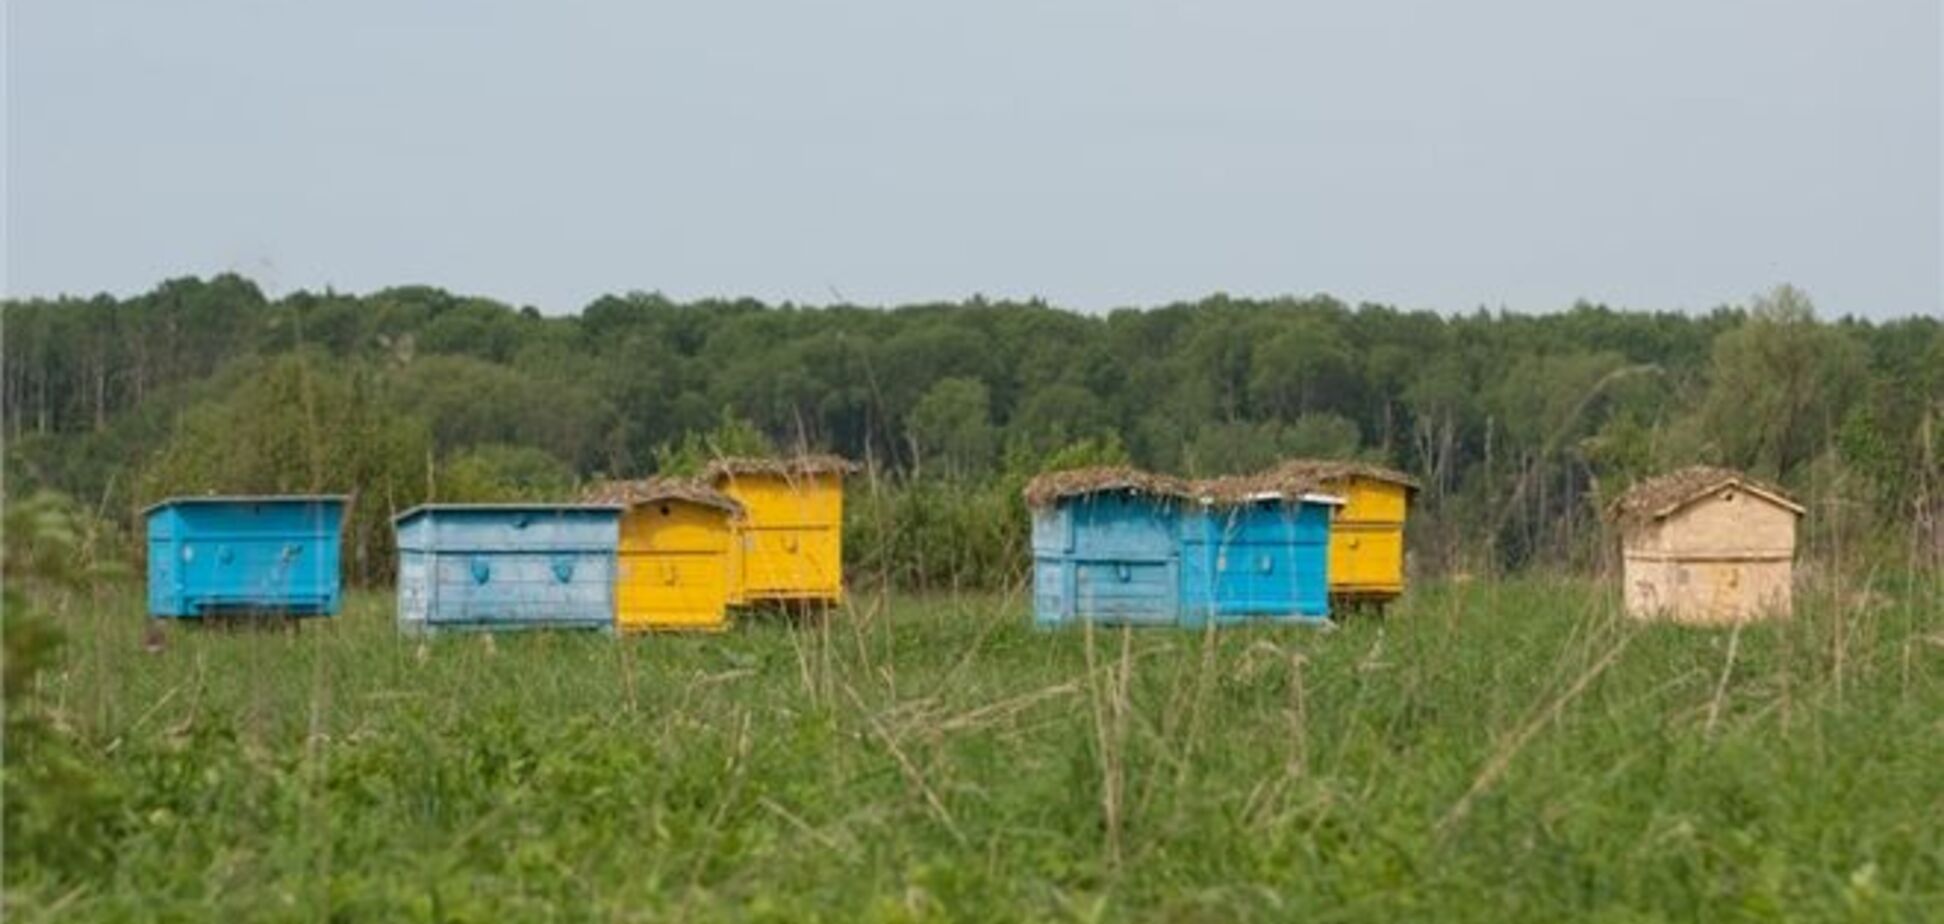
pixel 1367 535
pixel 1256 548
pixel 1706 545
pixel 273 553
pixel 673 570
pixel 1107 546
pixel 506 566
pixel 788 546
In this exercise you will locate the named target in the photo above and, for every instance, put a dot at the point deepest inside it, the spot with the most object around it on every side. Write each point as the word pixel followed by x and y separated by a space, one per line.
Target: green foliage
pixel 499 473
pixel 1780 384
pixel 302 425
pixel 936 534
pixel 1499 752
pixel 473 402
pixel 951 426
pixel 732 436
pixel 1518 425
pixel 59 810
pixel 1237 447
pixel 1091 451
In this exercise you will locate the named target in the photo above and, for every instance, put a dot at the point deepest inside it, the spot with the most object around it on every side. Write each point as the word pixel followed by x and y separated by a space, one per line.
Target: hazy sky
pixel 1430 154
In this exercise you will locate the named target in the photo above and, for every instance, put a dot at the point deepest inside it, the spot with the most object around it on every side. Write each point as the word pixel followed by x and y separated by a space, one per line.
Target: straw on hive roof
pixel 1050 487
pixel 656 490
pixel 1288 484
pixel 806 464
pixel 1663 494
pixel 1322 471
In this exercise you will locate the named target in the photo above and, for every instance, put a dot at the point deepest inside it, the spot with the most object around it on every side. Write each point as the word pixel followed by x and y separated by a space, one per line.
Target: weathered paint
pixel 1724 557
pixel 1265 559
pixel 674 566
pixel 1366 561
pixel 209 555
pixel 789 544
pixel 506 566
pixel 1110 557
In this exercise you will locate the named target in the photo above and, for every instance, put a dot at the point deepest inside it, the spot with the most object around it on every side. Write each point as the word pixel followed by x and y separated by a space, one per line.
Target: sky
pixel 1516 154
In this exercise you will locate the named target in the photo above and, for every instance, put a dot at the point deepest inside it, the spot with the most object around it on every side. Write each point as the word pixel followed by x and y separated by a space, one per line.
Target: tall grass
pixel 1488 752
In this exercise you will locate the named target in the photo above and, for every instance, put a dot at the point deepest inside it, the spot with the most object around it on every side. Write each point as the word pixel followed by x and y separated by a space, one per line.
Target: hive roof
pixel 785 466
pixel 1661 495
pixel 185 499
pixel 1322 471
pixel 1270 484
pixel 655 490
pixel 1051 487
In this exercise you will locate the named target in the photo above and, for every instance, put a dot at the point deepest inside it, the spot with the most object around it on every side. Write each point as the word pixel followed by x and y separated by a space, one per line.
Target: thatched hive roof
pixel 1323 471
pixel 656 490
pixel 784 466
pixel 1049 488
pixel 1661 495
pixel 1264 485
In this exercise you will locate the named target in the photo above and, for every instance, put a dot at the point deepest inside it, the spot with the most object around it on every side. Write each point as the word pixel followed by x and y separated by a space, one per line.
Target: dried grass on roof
pixel 785 466
pixel 1048 488
pixel 1240 489
pixel 1323 471
pixel 656 490
pixel 1655 497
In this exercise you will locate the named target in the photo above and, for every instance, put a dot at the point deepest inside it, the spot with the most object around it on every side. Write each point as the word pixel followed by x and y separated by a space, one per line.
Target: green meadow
pixel 1485 752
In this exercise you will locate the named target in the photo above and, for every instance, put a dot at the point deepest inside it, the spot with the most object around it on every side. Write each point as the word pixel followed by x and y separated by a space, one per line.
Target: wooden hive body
pixel 1260 559
pixel 789 544
pixel 1367 539
pixel 506 566
pixel 1110 556
pixel 1725 555
pixel 273 554
pixel 674 570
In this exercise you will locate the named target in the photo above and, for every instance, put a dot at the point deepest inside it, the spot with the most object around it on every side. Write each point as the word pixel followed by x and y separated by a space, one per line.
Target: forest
pixel 1519 426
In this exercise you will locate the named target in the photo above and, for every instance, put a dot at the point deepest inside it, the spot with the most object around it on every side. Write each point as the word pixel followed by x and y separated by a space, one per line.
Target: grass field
pixel 1489 752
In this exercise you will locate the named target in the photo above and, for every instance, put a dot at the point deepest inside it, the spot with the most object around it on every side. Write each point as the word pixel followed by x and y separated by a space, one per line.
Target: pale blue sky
pixel 1519 153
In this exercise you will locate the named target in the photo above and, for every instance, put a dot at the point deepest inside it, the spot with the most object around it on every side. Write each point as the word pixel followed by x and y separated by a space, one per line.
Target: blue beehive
pixel 506 566
pixel 1106 547
pixel 272 554
pixel 1258 556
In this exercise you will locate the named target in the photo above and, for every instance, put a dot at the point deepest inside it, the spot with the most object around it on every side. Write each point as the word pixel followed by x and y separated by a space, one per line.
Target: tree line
pixel 1519 426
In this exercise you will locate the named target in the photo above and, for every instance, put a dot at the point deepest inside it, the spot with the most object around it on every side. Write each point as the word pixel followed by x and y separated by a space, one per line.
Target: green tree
pixel 732 436
pixel 301 425
pixel 952 426
pixel 1780 385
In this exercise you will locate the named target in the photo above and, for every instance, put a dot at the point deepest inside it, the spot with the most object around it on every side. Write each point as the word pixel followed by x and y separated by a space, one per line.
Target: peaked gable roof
pixel 1051 487
pixel 655 490
pixel 1319 471
pixel 1658 497
pixel 783 467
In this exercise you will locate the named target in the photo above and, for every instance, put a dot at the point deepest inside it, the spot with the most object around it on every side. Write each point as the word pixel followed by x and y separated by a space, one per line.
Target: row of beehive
pixel 655 554
pixel 1700 545
pixel 661 553
pixel 1128 547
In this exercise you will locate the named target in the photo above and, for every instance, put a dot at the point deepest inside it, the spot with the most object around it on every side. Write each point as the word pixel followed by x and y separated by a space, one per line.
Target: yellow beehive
pixel 789 543
pixel 674 564
pixel 1367 534
pixel 1706 545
